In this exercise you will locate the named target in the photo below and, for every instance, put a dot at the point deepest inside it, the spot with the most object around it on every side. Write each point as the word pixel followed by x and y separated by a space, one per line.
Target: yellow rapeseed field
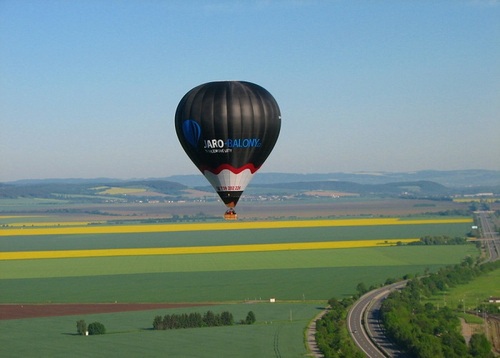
pixel 239 225
pixel 475 200
pixel 28 255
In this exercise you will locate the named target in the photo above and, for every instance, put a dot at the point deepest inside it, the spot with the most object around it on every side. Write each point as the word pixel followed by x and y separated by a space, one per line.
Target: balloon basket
pixel 230 215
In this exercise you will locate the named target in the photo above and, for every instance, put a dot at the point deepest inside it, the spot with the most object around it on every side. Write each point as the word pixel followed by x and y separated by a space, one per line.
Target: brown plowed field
pixel 16 311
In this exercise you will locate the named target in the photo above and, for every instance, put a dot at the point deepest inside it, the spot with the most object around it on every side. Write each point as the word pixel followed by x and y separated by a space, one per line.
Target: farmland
pixel 180 265
pixel 67 258
pixel 279 329
pixel 115 229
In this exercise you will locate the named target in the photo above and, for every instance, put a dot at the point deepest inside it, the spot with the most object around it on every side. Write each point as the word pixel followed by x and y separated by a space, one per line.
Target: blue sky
pixel 89 88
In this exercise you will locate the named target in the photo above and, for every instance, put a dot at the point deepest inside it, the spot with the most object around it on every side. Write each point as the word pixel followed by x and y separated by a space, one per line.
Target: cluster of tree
pixel 423 330
pixel 426 331
pixel 93 328
pixel 440 240
pixel 451 276
pixel 450 212
pixel 479 206
pixel 195 320
pixel 332 336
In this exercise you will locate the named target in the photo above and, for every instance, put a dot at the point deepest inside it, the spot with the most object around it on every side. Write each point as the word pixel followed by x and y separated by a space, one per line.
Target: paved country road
pixel 311 336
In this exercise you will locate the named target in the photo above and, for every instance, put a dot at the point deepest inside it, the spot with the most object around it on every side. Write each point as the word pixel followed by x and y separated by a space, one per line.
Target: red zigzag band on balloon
pixel 232 169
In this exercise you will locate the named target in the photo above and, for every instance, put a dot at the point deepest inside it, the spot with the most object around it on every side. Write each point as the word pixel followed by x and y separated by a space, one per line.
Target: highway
pixel 488 235
pixel 363 322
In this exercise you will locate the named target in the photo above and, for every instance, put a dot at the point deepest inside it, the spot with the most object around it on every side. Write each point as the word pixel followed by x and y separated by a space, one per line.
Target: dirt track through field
pixel 17 311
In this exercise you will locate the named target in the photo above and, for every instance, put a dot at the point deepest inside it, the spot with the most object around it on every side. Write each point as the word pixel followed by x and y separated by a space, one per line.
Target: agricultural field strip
pixel 474 200
pixel 240 266
pixel 144 228
pixel 20 216
pixel 118 191
pixel 28 255
pixel 52 224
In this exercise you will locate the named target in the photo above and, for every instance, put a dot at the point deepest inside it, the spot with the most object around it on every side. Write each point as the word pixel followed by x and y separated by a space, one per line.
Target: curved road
pixel 364 324
pixel 363 318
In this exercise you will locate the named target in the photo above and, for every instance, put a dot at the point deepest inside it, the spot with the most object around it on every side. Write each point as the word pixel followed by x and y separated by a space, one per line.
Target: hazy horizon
pixel 202 179
pixel 89 89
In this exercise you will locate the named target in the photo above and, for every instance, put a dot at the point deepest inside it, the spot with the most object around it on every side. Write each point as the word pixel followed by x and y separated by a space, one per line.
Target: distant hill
pixel 87 190
pixel 452 178
pixel 430 184
pixel 421 188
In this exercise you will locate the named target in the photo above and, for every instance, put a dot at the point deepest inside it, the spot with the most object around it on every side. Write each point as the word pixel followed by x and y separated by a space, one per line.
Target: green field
pixel 472 294
pixel 317 274
pixel 302 281
pixel 229 237
pixel 278 332
pixel 202 278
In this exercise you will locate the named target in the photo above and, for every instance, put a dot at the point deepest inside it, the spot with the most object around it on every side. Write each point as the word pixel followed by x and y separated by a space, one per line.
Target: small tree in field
pixel 81 327
pixel 250 318
pixel 96 328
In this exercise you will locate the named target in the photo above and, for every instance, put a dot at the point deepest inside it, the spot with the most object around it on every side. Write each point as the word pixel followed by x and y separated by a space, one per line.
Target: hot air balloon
pixel 228 129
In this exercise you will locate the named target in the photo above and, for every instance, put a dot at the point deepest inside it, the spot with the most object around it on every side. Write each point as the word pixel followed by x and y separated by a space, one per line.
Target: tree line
pixel 424 330
pixel 434 332
pixel 440 240
pixel 332 336
pixel 195 320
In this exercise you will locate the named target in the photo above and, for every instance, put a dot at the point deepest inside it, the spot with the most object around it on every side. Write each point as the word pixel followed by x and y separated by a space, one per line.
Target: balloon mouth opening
pixel 230 198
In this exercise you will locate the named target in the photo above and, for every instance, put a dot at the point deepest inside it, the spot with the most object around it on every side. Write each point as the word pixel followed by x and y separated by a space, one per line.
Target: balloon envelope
pixel 228 129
